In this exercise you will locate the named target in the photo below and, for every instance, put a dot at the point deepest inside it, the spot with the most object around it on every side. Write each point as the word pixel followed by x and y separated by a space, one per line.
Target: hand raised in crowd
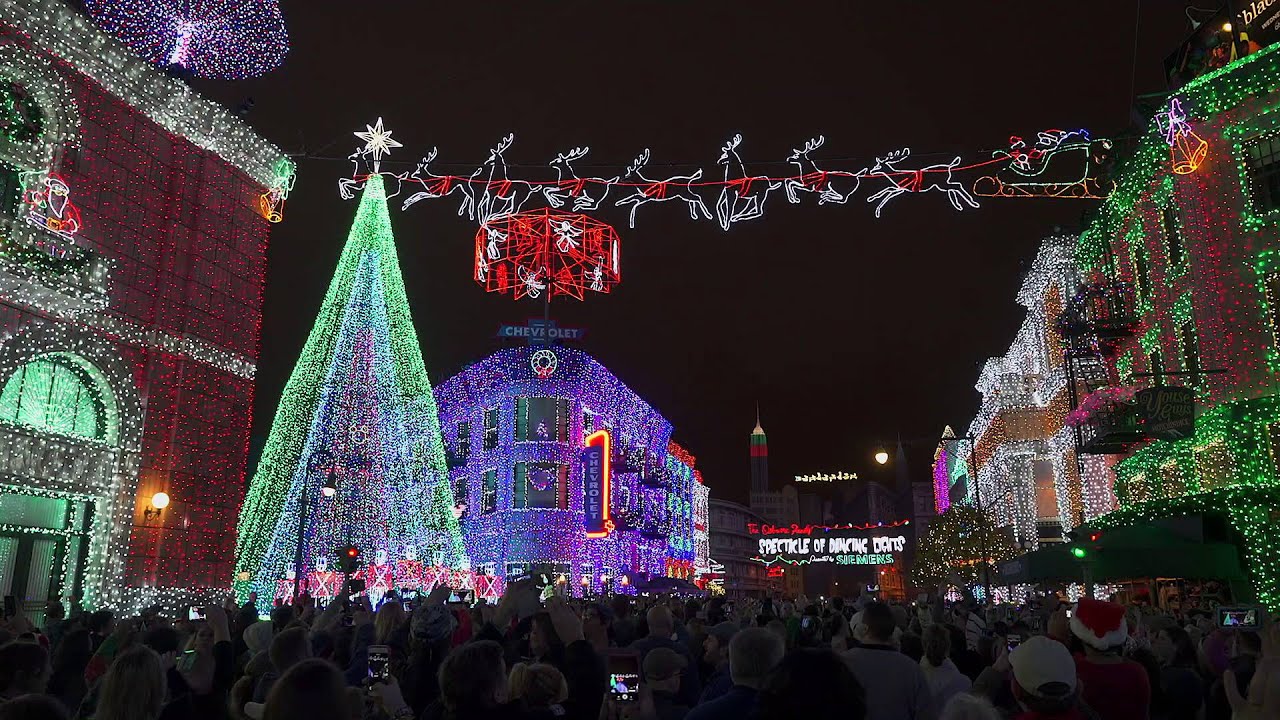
pixel 216 618
pixel 438 595
pixel 388 696
pixel 1263 701
pixel 567 623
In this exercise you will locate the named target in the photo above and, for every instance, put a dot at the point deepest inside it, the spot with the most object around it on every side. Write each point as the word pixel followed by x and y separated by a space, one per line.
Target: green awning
pixel 1128 553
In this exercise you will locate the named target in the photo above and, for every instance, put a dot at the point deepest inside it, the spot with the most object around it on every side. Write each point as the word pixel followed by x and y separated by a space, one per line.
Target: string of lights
pixel 357 412
pixel 217 39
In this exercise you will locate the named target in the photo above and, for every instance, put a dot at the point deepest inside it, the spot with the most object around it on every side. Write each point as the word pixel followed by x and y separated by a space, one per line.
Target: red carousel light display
pixel 547 252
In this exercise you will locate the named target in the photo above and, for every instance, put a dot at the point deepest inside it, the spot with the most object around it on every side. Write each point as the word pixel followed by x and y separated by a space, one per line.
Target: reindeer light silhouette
pixel 830 187
pixel 569 185
pixel 917 180
pixel 502 195
pixel 438 186
pixel 677 187
pixel 742 197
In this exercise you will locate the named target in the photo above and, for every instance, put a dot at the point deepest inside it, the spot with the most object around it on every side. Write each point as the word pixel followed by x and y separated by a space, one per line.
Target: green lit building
pixel 1182 289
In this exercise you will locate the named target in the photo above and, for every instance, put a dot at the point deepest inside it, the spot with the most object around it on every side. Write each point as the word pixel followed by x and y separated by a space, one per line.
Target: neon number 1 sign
pixel 595 484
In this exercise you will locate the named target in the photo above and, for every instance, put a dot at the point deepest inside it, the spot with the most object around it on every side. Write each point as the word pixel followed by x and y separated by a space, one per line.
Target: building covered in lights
pixel 515 426
pixel 135 224
pixel 1023 451
pixel 1178 317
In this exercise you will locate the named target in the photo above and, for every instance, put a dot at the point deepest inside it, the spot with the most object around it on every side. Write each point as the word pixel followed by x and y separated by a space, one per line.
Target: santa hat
pixel 1099 624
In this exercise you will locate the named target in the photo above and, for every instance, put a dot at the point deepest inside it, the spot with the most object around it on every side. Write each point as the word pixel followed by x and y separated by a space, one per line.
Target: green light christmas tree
pixel 358 415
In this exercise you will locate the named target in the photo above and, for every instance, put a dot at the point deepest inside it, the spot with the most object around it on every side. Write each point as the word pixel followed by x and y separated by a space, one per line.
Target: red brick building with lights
pixel 133 239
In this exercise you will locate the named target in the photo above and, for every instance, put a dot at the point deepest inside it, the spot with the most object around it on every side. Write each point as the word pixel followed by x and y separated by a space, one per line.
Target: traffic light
pixel 349 558
pixel 1085 544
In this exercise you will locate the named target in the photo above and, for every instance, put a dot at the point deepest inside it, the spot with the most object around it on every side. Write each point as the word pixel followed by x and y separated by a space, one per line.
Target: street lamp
pixel 159 502
pixel 328 490
pixel 882 457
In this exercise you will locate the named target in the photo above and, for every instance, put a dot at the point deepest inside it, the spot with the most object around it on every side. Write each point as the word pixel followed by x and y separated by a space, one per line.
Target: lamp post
pixel 882 457
pixel 328 491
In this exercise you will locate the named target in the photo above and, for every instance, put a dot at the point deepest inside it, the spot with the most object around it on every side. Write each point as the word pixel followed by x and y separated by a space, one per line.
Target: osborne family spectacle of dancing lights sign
pixel 838 544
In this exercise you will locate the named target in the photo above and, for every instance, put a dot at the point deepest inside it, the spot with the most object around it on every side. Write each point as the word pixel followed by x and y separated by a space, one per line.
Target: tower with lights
pixel 759 458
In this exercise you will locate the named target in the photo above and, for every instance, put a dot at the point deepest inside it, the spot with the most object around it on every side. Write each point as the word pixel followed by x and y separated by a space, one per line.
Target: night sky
pixel 847 330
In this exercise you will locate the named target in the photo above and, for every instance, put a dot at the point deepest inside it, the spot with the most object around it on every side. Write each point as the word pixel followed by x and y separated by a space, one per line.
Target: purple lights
pixel 515 444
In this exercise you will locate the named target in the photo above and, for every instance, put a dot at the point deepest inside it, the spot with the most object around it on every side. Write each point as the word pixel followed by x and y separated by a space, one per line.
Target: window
pixel 10 189
pixel 542 419
pixel 1155 366
pixel 1190 353
pixel 1137 488
pixel 1173 238
pixel 1140 275
pixel 1271 289
pixel 1171 483
pixel 540 485
pixel 588 423
pixel 21 120
pixel 1262 160
pixel 490 428
pixel 53 394
pixel 464 440
pixel 489 492
pixel 460 493
pixel 1213 461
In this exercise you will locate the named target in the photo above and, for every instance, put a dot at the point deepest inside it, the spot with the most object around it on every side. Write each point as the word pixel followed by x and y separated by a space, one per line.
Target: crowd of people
pixel 528 657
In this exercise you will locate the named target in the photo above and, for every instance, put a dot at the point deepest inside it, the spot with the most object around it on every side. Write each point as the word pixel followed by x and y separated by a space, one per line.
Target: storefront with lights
pixel 133 235
pixel 1180 311
pixel 515 427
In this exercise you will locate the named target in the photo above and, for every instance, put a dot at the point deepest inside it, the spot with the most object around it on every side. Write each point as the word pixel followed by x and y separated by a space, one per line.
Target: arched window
pixel 21 119
pixel 53 393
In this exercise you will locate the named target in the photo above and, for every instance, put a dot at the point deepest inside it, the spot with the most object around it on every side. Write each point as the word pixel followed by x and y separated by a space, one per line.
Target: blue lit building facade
pixel 515 425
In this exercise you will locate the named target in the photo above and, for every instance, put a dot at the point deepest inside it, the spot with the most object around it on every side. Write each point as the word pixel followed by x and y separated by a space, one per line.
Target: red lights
pixel 544 251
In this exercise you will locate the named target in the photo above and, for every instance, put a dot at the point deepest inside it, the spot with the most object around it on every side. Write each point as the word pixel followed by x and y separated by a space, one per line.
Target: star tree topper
pixel 377 142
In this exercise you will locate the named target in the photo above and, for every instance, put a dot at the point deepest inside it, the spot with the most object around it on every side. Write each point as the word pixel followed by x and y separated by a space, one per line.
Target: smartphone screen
pixel 195 613
pixel 379 662
pixel 1240 618
pixel 624 676
pixel 187 661
pixel 1013 641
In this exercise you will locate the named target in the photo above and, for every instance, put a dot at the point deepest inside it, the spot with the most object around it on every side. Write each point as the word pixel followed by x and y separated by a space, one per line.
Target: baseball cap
pixel 1040 661
pixel 663 663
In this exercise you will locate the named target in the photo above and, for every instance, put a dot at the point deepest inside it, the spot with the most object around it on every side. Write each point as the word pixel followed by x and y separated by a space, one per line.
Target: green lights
pixel 1079 552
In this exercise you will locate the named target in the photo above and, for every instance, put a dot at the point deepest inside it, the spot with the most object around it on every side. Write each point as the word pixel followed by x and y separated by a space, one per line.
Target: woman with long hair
pixel 387 622
pixel 133 688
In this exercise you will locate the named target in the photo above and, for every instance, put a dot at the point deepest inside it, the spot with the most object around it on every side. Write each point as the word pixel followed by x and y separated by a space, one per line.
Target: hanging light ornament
pixel 545 251
pixel 1186 149
pixel 216 39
